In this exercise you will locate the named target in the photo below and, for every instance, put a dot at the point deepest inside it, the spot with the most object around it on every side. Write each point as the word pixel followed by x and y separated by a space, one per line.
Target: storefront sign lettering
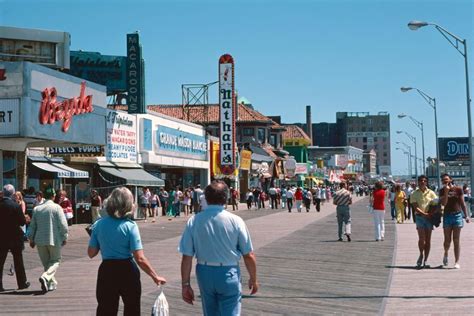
pixel 52 110
pixel 173 140
pixel 135 101
pixel 227 114
pixel 121 137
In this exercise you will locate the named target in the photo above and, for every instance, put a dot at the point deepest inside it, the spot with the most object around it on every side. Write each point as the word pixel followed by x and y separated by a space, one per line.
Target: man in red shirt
pixel 299 199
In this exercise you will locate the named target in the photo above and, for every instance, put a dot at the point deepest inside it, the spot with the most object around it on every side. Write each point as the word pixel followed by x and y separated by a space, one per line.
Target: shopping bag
pixel 160 308
pixel 371 209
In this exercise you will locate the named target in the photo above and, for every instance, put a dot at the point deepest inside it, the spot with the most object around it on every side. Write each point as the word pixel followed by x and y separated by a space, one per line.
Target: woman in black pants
pixel 117 237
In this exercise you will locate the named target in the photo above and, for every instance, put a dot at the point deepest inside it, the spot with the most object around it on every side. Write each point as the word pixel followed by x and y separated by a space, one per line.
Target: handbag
pixel 161 307
pixel 370 209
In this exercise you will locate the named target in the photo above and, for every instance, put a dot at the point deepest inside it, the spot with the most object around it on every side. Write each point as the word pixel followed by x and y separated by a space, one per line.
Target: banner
pixel 453 148
pixel 121 137
pixel 245 159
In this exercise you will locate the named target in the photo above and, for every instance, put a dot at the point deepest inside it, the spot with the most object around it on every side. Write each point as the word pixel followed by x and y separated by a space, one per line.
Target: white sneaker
pixel 457 266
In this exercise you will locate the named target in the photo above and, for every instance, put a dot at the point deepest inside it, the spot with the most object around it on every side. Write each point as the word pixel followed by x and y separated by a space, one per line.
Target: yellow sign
pixel 245 159
pixel 215 162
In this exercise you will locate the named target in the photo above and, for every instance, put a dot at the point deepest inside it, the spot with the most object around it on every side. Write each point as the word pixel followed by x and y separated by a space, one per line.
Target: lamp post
pixel 409 157
pixel 413 139
pixel 409 162
pixel 431 102
pixel 420 126
pixel 455 41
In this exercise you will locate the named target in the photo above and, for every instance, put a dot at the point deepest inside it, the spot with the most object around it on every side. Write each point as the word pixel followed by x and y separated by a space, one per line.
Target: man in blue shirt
pixel 217 238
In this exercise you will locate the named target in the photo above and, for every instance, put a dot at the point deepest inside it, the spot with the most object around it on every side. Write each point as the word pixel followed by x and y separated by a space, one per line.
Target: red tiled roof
pixel 207 113
pixel 294 132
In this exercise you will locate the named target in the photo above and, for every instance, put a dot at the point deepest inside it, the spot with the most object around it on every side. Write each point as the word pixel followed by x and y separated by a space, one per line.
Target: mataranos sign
pixel 453 148
pixel 227 114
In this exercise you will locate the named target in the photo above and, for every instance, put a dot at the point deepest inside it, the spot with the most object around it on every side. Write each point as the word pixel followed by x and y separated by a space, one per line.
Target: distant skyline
pixel 338 56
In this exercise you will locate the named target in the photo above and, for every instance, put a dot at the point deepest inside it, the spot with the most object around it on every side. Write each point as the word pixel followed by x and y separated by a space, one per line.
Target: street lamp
pixel 455 41
pixel 420 126
pixel 431 102
pixel 413 139
pixel 409 157
pixel 409 162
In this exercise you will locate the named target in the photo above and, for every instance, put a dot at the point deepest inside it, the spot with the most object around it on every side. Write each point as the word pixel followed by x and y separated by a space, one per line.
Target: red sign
pixel 52 110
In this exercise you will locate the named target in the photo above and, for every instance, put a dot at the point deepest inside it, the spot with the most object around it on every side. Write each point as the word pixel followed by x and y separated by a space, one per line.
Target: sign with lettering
pixel 106 70
pixel 171 141
pixel 52 110
pixel 82 150
pixel 453 148
pixel 227 114
pixel 135 75
pixel 9 117
pixel 121 143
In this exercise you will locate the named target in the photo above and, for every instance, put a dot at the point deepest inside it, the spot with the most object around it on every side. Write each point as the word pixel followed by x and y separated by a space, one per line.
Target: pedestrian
pixel 342 199
pixel 118 239
pixel 452 198
pixel 164 195
pixel 144 203
pixel 299 199
pixel 96 205
pixel 249 198
pixel 324 191
pixel 11 236
pixel 262 197
pixel 29 199
pixel 234 198
pixel 48 232
pixel 38 201
pixel 154 204
pixel 272 192
pixel 197 198
pixel 290 196
pixel 256 198
pixel 400 199
pixel 392 203
pixel 66 205
pixel 178 199
pixel 420 200
pixel 186 202
pixel 317 198
pixel 378 204
pixel 283 197
pixel 408 191
pixel 218 239
pixel 307 198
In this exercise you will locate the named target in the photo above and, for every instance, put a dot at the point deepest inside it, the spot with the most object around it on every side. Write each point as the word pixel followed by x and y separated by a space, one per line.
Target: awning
pixel 261 158
pixel 133 176
pixel 61 170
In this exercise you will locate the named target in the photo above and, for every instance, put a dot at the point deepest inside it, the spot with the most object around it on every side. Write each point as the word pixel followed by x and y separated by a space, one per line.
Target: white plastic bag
pixel 371 209
pixel 160 308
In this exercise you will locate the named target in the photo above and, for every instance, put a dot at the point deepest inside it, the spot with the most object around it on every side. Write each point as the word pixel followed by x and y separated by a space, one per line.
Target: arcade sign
pixel 227 114
pixel 52 110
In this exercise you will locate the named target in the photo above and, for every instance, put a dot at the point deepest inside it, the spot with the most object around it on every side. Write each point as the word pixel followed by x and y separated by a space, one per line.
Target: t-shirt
pixel 455 194
pixel 289 194
pixel 379 200
pixel 342 197
pixel 400 199
pixel 423 199
pixel 272 191
pixel 116 238
pixel 299 195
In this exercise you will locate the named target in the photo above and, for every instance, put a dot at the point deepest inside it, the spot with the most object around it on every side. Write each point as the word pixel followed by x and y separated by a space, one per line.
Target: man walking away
pixel 49 232
pixel 217 238
pixel 273 197
pixel 343 199
pixel 11 236
pixel 289 199
pixel 197 198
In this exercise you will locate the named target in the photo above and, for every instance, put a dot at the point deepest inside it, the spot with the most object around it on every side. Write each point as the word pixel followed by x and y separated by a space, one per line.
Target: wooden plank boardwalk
pixel 302 269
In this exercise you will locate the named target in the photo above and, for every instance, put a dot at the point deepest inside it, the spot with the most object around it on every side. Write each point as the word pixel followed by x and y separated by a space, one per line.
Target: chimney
pixel 309 125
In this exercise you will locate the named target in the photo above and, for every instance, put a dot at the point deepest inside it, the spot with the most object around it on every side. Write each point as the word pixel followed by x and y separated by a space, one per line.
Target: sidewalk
pixel 435 291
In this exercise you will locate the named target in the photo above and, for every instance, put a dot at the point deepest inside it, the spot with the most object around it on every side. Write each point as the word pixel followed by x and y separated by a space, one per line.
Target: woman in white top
pixel 186 202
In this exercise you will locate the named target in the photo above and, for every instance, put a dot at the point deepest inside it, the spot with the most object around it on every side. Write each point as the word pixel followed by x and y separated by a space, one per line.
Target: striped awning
pixel 61 170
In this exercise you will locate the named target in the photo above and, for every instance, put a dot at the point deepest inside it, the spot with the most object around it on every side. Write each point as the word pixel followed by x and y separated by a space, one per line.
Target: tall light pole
pixel 420 126
pixel 409 162
pixel 455 41
pixel 409 157
pixel 413 139
pixel 431 102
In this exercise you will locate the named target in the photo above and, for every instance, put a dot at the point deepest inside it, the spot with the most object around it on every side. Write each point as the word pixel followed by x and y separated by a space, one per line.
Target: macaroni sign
pixel 227 114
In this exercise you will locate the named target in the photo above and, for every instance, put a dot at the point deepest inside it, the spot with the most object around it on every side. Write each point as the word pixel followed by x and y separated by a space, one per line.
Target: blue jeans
pixel 392 209
pixel 221 291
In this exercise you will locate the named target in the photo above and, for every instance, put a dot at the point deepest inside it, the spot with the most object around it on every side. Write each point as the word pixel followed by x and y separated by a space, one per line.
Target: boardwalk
pixel 302 269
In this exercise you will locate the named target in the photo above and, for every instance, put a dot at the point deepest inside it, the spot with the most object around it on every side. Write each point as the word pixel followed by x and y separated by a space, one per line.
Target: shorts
pixel 144 205
pixel 423 223
pixel 453 220
pixel 153 205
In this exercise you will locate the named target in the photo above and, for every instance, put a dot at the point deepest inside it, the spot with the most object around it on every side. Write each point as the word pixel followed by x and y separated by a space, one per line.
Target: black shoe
pixel 44 284
pixel 25 286
pixel 340 239
pixel 348 238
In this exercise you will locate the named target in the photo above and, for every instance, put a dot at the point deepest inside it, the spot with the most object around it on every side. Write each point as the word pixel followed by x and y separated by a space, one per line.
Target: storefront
pixel 41 108
pixel 173 150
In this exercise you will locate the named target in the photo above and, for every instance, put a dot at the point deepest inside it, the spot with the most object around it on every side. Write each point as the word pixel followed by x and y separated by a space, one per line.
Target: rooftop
pixel 295 132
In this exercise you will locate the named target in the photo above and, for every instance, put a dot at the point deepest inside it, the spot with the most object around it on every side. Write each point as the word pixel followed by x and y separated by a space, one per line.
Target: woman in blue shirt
pixel 117 238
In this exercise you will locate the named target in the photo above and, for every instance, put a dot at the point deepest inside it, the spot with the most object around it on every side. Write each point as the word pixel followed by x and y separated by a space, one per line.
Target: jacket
pixel 11 220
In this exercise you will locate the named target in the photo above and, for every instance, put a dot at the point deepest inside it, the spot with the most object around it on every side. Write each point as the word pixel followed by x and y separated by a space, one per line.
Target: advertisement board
pixel 9 117
pixel 174 142
pixel 135 75
pixel 453 148
pixel 121 143
pixel 245 159
pixel 227 114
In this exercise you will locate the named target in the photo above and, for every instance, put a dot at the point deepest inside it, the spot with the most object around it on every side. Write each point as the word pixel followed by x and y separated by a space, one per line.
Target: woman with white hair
pixel 117 237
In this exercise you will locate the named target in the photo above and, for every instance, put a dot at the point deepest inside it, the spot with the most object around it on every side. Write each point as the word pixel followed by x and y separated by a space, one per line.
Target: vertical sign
pixel 121 137
pixel 227 114
pixel 135 101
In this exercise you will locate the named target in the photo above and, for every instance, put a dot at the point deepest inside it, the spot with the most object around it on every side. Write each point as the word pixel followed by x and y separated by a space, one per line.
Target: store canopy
pixel 131 174
pixel 261 158
pixel 60 170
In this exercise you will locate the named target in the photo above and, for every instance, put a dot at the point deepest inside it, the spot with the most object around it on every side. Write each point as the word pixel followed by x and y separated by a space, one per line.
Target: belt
pixel 217 264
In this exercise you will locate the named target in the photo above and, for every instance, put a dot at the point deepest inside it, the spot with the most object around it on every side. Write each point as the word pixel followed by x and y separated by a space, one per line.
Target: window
pixel 364 147
pixel 384 146
pixel 273 140
pixel 375 139
pixel 376 146
pixel 364 139
pixel 248 131
pixel 261 135
pixel 385 154
pixel 385 161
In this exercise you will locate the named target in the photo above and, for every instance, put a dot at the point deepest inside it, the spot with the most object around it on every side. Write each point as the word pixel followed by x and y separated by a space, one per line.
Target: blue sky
pixel 335 55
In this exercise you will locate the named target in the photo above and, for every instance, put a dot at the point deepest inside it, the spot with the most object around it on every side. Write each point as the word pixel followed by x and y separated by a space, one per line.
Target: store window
pixel 273 140
pixel 9 168
pixel 261 135
pixel 248 131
